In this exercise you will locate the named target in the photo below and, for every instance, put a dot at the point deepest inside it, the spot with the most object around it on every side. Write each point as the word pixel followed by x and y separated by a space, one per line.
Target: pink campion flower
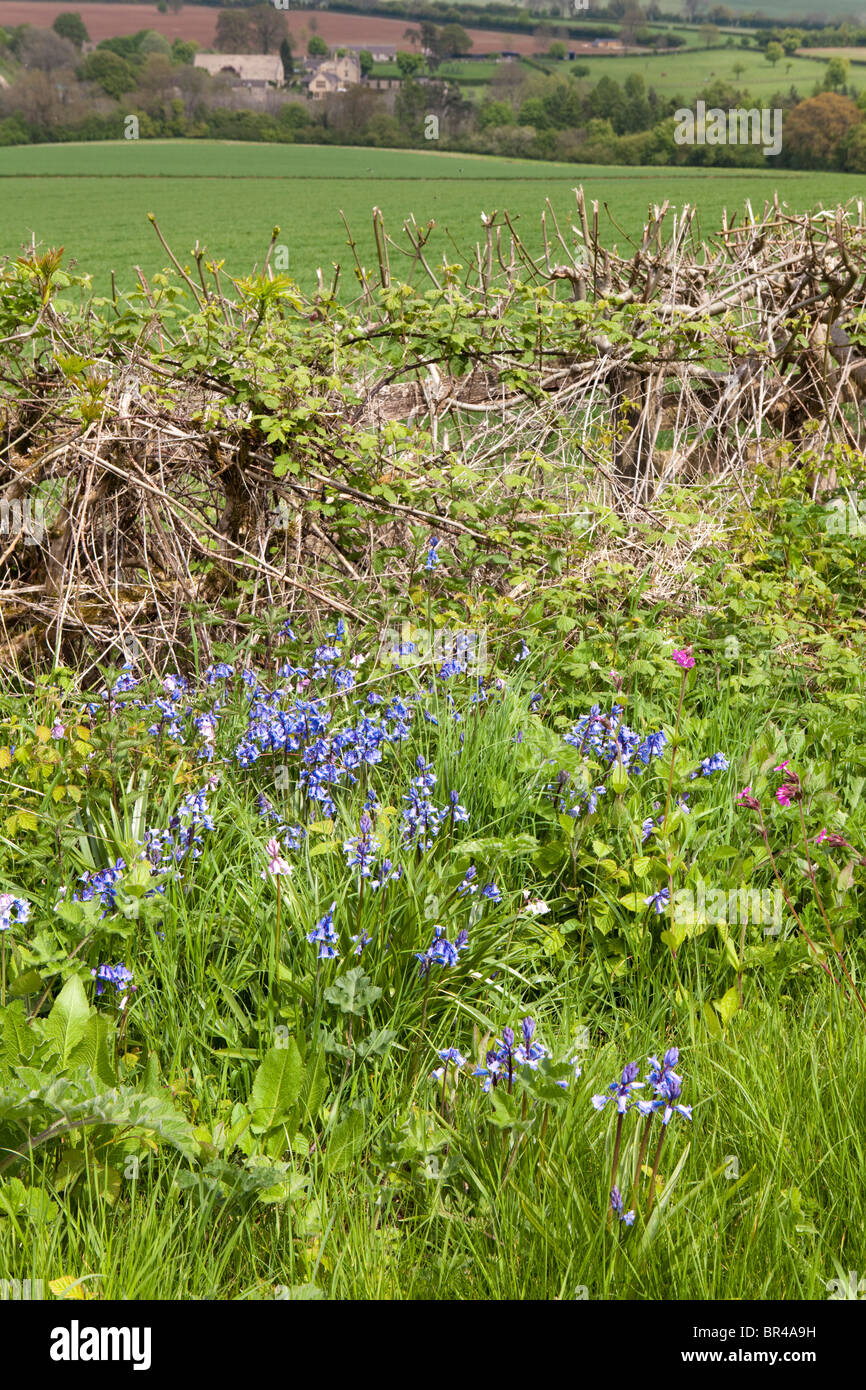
pixel 746 799
pixel 783 795
pixel 782 766
pixel 684 658
pixel 834 841
pixel 276 863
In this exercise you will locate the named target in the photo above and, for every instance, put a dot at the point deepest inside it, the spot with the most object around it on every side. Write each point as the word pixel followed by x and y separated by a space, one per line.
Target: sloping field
pixel 93 199
pixel 199 23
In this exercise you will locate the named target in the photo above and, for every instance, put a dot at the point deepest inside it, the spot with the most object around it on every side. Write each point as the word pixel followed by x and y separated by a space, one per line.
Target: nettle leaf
pixel 67 1022
pixel 353 992
pixel 277 1086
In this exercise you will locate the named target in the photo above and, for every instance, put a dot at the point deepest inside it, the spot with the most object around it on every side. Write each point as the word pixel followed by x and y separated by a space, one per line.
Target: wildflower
pixel 457 812
pixel 467 886
pixel 529 1053
pixel 660 1072
pixel 57 729
pixel 716 763
pixel 836 841
pixel 8 904
pixel 535 907
pixel 324 934
pixel 385 873
pixel 647 828
pixel 617 1206
pixel 451 1054
pixel 621 1090
pixel 746 798
pixel 791 789
pixel 361 850
pixel 432 555
pixel 117 975
pixel 221 671
pixel 441 951
pixel 659 900
pixel 491 891
pixel 361 940
pixel 670 1093
pixel 276 864
pixel 684 658
pixel 523 653
pixel 651 747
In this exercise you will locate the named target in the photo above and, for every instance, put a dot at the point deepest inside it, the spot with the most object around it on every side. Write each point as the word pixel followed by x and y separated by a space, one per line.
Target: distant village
pixel 322 77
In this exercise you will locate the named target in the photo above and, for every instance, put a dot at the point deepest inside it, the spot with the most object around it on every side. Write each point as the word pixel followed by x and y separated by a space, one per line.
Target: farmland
pixel 683 73
pixel 93 199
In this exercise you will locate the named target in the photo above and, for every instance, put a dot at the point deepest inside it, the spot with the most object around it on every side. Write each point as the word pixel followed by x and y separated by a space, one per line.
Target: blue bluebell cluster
pixel 102 884
pixel 667 1086
pixel 324 935
pixel 618 1208
pixel 422 819
pixel 118 976
pixel 9 904
pixel 501 1059
pixel 660 900
pixel 717 762
pixel 441 951
pixel 621 1091
pixel 664 1080
pixel 608 739
pixel 361 849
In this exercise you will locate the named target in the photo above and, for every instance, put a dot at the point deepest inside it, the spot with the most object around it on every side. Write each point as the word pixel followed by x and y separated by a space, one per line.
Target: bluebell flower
pixel 10 904
pixel 617 1206
pixel 385 873
pixel 361 940
pixel 457 812
pixel 621 1091
pixel 441 951
pixel 451 1054
pixel 659 901
pixel 467 886
pixel 432 556
pixel 361 850
pixel 325 936
pixel 221 671
pixel 118 976
pixel 717 762
pixel 523 653
pixel 491 891
pixel 670 1094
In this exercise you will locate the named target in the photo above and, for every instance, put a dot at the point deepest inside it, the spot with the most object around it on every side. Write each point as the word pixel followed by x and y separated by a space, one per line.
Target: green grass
pixel 685 74
pixel 93 199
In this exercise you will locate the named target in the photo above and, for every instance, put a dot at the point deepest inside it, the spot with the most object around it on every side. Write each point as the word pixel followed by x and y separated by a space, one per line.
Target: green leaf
pixel 277 1085
pixel 728 1005
pixel 345 1142
pixel 67 1022
pixel 353 992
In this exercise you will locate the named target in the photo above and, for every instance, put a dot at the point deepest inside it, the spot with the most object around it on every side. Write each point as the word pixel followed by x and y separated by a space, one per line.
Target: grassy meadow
pixel 93 199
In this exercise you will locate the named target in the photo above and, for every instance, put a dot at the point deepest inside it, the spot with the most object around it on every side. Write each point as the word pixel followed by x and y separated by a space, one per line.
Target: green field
pixel 93 199
pixel 685 73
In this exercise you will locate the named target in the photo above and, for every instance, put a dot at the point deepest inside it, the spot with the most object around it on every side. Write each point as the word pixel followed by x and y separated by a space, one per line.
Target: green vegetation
pixel 193 190
pixel 207 1091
